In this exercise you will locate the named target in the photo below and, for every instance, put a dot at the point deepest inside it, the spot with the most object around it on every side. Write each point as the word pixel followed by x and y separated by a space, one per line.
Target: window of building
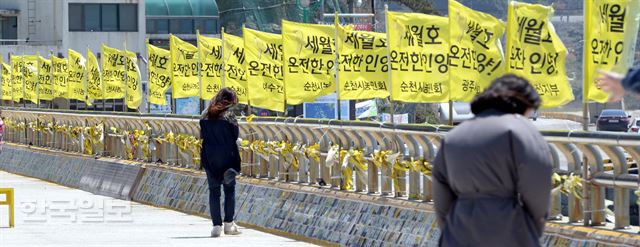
pixel 9 27
pixel 90 17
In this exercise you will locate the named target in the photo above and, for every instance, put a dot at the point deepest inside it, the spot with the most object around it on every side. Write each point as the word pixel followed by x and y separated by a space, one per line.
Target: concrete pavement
pixel 51 215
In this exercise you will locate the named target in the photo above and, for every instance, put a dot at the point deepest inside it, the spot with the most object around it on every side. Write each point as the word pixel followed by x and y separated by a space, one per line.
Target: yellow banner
pixel 264 69
pixel 30 73
pixel 184 62
pixel 159 74
pixel 419 46
pixel 94 79
pixel 309 61
pixel 235 76
pixel 45 79
pixel 475 54
pixel 363 69
pixel 536 53
pixel 134 88
pixel 16 76
pixel 612 28
pixel 112 72
pixel 211 69
pixel 7 86
pixel 60 74
pixel 76 79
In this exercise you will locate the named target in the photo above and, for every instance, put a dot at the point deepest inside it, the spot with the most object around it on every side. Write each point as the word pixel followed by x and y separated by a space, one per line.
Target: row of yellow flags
pixel 428 58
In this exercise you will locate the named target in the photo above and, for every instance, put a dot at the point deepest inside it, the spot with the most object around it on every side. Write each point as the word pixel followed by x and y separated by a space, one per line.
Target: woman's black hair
pixel 508 94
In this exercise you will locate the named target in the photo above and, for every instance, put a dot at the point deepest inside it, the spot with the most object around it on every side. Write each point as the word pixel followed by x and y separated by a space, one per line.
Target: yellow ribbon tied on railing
pixel 313 152
pixel 568 185
pixel 189 143
pixel 287 152
pixel 422 166
pixel 347 172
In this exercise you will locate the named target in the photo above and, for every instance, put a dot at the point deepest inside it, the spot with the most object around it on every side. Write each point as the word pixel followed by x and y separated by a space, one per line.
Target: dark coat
pixel 492 182
pixel 219 149
pixel 631 80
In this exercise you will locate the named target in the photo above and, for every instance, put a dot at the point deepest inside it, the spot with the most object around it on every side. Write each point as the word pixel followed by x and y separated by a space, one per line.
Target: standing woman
pixel 492 174
pixel 220 158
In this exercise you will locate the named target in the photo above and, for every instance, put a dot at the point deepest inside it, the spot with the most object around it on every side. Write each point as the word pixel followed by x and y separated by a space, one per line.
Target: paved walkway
pixel 51 215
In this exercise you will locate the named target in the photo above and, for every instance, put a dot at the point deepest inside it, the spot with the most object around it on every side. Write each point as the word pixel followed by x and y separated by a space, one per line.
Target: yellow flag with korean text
pixel 7 86
pixel 94 77
pixel 112 72
pixel 17 78
pixel 309 61
pixel 60 74
pixel 184 64
pixel 76 79
pixel 235 76
pixel 536 53
pixel 475 53
pixel 418 45
pixel 362 63
pixel 134 88
pixel 264 69
pixel 611 34
pixel 159 74
pixel 211 69
pixel 30 73
pixel 45 79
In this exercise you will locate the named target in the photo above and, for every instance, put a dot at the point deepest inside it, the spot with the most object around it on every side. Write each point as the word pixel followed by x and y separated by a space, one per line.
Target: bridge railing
pixel 380 159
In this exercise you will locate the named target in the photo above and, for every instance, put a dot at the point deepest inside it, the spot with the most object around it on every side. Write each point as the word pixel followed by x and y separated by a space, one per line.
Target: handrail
pixel 283 148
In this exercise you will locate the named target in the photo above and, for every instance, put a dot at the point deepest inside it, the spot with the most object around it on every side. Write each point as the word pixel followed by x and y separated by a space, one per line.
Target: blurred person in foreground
pixel 617 84
pixel 492 174
pixel 220 158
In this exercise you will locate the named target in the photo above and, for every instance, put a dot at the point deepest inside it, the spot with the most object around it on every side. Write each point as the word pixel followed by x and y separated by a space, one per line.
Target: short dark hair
pixel 509 94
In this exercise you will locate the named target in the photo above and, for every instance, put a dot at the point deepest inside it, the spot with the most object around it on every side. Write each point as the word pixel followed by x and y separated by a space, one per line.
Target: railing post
pixel 621 195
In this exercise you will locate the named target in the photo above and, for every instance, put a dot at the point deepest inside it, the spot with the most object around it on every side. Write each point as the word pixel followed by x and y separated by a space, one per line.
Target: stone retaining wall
pixel 319 215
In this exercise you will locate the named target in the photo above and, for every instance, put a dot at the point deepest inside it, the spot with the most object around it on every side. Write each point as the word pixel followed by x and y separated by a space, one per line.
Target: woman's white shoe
pixel 231 228
pixel 216 232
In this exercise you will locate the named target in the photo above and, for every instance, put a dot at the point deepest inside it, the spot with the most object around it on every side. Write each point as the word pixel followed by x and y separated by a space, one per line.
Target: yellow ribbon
pixel 313 152
pixel 568 185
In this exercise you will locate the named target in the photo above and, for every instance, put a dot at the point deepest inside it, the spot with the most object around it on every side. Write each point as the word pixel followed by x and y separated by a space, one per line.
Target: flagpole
pixel 223 63
pixel 586 202
pixel 173 91
pixel 389 77
pixel 38 80
pixel 52 81
pixel 199 70
pixel 24 102
pixel 249 109
pixel 13 103
pixel 124 100
pixel 336 24
pixel 104 96
pixel 86 81
pixel 148 80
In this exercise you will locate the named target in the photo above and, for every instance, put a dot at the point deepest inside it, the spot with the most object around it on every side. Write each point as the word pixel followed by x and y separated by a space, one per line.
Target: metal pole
pixel 24 102
pixel 38 80
pixel 52 81
pixel 200 70
pixel 586 202
pixel 148 79
pixel 173 91
pixel 86 82
pixel 392 109
pixel 336 23
pixel 222 79
pixel 126 69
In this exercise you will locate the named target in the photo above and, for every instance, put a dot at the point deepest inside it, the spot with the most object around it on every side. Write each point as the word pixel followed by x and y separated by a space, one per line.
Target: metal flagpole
pixel 586 202
pixel 222 79
pixel 149 78
pixel 52 81
pixel 249 108
pixel 24 102
pixel 86 81
pixel 199 71
pixel 173 91
pixel 336 25
pixel 38 80
pixel 391 105
pixel 124 100
pixel 13 103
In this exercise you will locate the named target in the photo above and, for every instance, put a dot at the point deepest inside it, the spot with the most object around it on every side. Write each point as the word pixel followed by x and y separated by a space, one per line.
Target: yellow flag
pixel 94 79
pixel 30 73
pixel 309 61
pixel 16 76
pixel 7 86
pixel 211 70
pixel 235 76
pixel 184 62
pixel 612 28
pixel 45 79
pixel 536 53
pixel 60 74
pixel 475 54
pixel 112 72
pixel 76 79
pixel 134 88
pixel 419 46
pixel 159 74
pixel 264 69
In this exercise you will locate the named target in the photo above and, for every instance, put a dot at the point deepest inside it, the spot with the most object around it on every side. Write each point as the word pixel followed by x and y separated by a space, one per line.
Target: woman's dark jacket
pixel 492 182
pixel 631 81
pixel 219 149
